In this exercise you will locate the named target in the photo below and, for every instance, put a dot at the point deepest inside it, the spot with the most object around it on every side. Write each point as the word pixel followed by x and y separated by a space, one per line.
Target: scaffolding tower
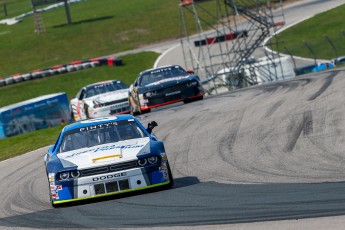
pixel 221 38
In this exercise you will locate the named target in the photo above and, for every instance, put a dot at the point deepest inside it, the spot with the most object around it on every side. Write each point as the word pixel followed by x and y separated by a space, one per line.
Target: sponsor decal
pixel 54 188
pixel 55 196
pixel 167 80
pixel 164 170
pixel 111 176
pixel 51 177
pixel 119 105
pixel 172 93
pixel 106 157
pixel 105 148
pixel 99 126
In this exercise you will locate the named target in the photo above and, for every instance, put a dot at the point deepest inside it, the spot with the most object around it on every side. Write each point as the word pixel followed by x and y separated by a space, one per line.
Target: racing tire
pixel 72 116
pixel 171 179
pixel 86 109
pixel 134 113
pixel 189 100
pixel 146 111
pixel 50 198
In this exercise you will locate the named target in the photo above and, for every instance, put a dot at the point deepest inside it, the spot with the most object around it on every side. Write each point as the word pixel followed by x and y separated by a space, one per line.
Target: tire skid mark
pixel 296 127
pixel 229 140
pixel 273 108
pixel 294 130
pixel 325 85
pixel 307 123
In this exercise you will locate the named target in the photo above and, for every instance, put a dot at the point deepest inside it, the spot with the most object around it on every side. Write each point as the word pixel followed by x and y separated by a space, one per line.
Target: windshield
pixel 100 134
pixel 152 76
pixel 104 88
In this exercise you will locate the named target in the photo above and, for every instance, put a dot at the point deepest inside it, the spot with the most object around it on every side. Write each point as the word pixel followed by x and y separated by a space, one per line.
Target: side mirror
pixel 190 71
pixel 151 126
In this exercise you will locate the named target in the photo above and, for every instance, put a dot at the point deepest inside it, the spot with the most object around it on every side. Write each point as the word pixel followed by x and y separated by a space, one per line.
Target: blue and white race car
pixel 105 156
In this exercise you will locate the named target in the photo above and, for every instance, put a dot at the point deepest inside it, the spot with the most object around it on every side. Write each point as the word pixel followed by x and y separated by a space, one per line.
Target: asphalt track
pixel 264 153
pixel 265 157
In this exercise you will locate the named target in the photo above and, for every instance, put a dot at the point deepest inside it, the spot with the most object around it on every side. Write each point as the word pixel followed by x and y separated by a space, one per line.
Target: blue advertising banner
pixel 34 114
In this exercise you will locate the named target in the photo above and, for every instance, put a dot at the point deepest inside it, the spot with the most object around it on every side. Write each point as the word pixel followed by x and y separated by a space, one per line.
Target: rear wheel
pixel 146 111
pixel 133 112
pixel 188 100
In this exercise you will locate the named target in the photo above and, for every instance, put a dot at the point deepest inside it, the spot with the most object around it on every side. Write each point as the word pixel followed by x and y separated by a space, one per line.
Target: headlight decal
pixel 68 175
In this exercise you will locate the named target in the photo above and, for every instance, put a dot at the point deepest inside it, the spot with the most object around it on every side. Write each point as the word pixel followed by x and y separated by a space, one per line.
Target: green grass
pixel 14 146
pixel 312 32
pixel 99 28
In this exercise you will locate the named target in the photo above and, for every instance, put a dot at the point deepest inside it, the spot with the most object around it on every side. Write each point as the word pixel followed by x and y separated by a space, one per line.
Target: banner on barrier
pixel 34 114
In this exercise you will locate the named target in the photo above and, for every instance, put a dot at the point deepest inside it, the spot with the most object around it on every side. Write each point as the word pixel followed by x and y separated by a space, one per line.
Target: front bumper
pixel 109 184
pixel 108 110
pixel 170 96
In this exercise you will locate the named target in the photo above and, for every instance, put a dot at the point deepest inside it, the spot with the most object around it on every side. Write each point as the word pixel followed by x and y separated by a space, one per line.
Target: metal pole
pixel 311 51
pixel 332 44
pixel 68 14
pixel 4 7
pixel 293 59
pixel 33 6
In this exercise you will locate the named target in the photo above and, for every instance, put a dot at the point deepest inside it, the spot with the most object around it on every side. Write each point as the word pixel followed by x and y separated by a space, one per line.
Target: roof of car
pixel 97 121
pixel 160 67
pixel 101 82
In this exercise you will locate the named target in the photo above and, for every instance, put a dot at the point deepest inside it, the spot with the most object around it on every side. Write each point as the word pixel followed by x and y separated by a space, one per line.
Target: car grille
pixel 113 102
pixel 113 186
pixel 109 168
pixel 171 89
pixel 119 110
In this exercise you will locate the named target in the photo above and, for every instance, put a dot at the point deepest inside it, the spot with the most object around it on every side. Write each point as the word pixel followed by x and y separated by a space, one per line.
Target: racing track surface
pixel 269 152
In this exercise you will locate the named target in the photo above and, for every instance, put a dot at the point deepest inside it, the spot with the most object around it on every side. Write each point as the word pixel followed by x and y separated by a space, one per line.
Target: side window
pixel 82 94
pixel 136 81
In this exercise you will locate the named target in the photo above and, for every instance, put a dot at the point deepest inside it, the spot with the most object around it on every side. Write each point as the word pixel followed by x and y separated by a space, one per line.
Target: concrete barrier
pixel 60 69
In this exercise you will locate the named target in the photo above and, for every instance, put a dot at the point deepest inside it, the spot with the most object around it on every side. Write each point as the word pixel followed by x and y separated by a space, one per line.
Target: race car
pixel 162 86
pixel 100 99
pixel 105 156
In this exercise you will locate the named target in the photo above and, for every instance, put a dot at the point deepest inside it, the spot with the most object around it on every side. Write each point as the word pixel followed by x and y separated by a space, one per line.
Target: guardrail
pixel 60 69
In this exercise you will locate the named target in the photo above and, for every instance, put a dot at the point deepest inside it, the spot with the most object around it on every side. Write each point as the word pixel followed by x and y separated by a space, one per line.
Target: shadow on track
pixel 190 202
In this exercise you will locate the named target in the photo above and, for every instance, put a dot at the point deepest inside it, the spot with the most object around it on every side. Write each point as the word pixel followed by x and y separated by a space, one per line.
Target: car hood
pixel 112 153
pixel 108 97
pixel 167 82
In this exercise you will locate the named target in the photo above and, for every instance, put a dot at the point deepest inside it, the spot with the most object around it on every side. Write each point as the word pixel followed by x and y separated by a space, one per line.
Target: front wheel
pixel 86 111
pixel 171 179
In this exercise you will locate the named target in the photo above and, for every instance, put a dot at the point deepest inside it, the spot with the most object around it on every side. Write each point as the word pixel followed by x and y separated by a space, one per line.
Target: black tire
pixel 171 179
pixel 86 109
pixel 146 111
pixel 134 113
pixel 188 100
pixel 50 197
pixel 72 116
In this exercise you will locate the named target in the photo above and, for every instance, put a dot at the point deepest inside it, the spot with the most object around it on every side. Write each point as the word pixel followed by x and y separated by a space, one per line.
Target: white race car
pixel 100 99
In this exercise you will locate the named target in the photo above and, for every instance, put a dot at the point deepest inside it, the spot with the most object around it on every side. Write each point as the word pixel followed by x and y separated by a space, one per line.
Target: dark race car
pixel 162 86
